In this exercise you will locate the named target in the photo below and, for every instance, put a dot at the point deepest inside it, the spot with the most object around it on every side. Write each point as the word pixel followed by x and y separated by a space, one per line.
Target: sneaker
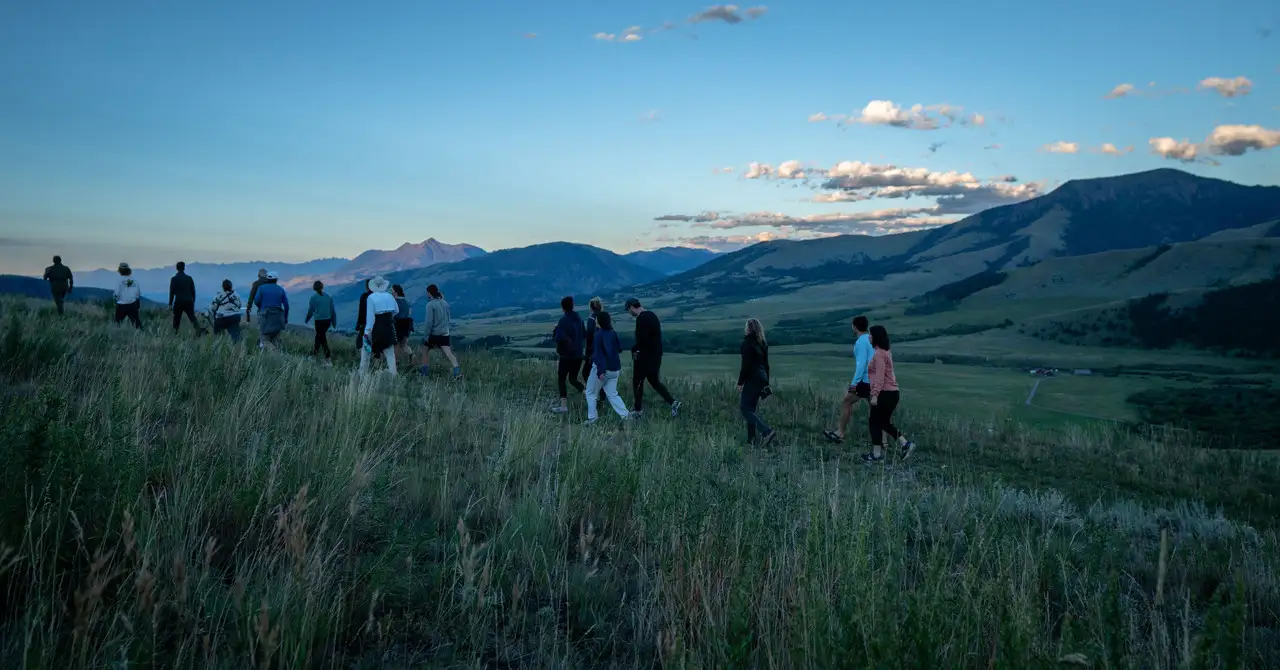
pixel 589 422
pixel 907 449
pixel 675 408
pixel 424 370
pixel 872 458
pixel 636 414
pixel 556 409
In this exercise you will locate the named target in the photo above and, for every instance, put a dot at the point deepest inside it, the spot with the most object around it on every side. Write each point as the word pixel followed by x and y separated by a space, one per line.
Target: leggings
pixel 322 337
pixel 646 370
pixel 881 415
pixel 129 311
pixel 568 370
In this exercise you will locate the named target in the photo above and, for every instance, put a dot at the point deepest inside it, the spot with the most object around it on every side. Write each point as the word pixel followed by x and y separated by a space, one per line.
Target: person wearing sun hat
pixel 380 327
pixel 272 302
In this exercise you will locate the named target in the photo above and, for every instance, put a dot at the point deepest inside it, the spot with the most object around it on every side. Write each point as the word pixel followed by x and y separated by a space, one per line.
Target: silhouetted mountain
pixel 32 287
pixel 1085 216
pixel 405 257
pixel 535 276
pixel 208 276
pixel 671 260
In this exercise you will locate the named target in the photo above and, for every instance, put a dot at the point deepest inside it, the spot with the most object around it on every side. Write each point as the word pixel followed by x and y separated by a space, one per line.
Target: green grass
pixel 178 503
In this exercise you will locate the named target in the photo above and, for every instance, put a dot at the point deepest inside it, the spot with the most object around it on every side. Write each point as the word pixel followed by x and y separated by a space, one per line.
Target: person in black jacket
pixel 253 295
pixel 753 378
pixel 60 282
pixel 182 298
pixel 360 315
pixel 596 306
pixel 646 355
pixel 569 336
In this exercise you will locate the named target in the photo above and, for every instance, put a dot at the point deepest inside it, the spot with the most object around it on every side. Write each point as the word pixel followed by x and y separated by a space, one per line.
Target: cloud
pixel 933 147
pixel 631 34
pixel 725 170
pixel 758 171
pixel 530 36
pixel 877 222
pixel 727 13
pixel 1235 140
pixel 1173 149
pixel 1227 88
pixel 819 117
pixel 790 170
pixel 990 147
pixel 704 217
pixel 650 116
pixel 976 119
pixel 724 243
pixel 1120 91
pixel 1061 147
pixel 888 113
pixel 1111 150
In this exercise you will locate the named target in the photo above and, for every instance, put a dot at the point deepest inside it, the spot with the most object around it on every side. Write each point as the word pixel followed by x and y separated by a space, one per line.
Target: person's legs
pixel 390 354
pixel 135 310
pixel 651 376
pixel 638 372
pixel 177 316
pixel 611 392
pixel 189 308
pixel 233 328
pixel 453 360
pixel 364 359
pixel 59 297
pixel 876 420
pixel 591 392
pixel 888 402
pixel 120 313
pixel 748 402
pixel 322 336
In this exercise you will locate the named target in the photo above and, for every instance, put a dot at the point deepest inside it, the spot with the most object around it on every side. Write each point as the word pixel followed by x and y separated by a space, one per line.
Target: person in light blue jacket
pixel 606 367
pixel 859 387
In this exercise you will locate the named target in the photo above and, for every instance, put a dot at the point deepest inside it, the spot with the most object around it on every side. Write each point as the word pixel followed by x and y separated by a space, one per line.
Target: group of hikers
pixel 588 350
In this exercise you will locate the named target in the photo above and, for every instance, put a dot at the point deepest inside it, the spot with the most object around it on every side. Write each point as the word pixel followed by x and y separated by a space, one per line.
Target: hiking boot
pixel 675 408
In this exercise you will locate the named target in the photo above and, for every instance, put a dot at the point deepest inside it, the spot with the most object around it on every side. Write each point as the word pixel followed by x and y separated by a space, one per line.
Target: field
pixel 178 502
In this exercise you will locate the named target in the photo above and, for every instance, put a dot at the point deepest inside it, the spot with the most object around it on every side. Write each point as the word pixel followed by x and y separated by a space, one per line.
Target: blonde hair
pixel 596 304
pixel 755 328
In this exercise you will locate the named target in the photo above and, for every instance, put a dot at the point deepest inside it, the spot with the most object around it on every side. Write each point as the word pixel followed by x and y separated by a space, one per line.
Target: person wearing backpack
pixel 606 367
pixel 569 335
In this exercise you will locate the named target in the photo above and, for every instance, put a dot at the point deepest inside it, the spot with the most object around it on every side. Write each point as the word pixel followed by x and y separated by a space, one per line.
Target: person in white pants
pixel 605 368
pixel 380 328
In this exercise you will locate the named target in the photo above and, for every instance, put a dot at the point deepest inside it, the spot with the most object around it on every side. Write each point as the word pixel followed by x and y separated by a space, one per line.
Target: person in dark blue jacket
pixel 273 310
pixel 569 336
pixel 606 366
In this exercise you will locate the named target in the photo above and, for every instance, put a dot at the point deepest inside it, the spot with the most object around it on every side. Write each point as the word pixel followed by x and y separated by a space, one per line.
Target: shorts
pixel 403 329
pixel 436 341
pixel 861 390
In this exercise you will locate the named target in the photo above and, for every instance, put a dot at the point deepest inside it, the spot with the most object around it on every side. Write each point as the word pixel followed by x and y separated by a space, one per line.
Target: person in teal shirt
pixel 321 309
pixel 859 387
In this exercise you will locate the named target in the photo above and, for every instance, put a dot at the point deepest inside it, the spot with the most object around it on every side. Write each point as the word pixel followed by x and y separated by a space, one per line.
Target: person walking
pixel 606 367
pixel 884 398
pixel 320 307
pixel 859 389
pixel 225 311
pixel 646 355
pixel 569 335
pixel 128 297
pixel 437 329
pixel 404 320
pixel 253 296
pixel 272 302
pixel 753 379
pixel 360 314
pixel 595 306
pixel 182 298
pixel 60 282
pixel 380 337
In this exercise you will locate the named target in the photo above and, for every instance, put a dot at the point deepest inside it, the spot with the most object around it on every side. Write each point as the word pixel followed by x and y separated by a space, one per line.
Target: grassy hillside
pixel 179 503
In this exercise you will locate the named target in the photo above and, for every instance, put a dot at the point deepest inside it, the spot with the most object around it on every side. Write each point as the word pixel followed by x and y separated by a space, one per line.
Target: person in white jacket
pixel 380 327
pixel 128 297
pixel 225 311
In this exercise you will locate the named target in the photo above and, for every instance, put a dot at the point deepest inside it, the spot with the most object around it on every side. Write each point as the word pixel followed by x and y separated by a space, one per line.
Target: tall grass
pixel 172 502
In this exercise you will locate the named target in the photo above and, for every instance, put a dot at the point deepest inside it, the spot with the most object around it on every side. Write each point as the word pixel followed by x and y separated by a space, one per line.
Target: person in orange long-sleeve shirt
pixel 884 398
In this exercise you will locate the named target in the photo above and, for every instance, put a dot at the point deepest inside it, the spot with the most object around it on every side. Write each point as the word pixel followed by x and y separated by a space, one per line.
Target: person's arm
pixel 173 283
pixel 47 277
pixel 875 370
pixel 116 293
pixel 767 374
pixel 284 299
pixel 71 281
pixel 745 351
pixel 333 312
pixel 369 316
pixel 599 357
pixel 311 309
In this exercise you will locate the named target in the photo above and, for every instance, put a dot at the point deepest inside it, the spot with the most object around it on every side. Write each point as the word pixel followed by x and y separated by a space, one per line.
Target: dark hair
pixel 879 337
pixel 861 323
pixel 604 321
pixel 125 271
pixel 318 286
pixel 434 291
pixel 226 285
pixel 181 266
pixel 57 259
pixel 566 303
pixel 398 290
pixel 633 303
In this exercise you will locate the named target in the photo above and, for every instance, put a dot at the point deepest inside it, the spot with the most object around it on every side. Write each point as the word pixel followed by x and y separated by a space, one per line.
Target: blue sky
pixel 148 132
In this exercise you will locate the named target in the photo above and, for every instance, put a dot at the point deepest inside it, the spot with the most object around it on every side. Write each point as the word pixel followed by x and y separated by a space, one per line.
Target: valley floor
pixel 177 502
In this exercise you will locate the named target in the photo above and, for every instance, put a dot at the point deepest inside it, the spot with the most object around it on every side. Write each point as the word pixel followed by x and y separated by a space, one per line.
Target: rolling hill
pixel 208 276
pixel 529 277
pixel 1081 217
pixel 32 287
pixel 376 262
pixel 671 260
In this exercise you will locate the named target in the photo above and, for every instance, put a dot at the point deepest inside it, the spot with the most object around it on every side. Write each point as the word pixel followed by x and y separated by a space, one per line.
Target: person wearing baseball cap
pixel 272 302
pixel 646 355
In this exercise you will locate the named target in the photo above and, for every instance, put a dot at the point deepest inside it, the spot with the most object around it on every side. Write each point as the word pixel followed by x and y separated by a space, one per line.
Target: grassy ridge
pixel 184 502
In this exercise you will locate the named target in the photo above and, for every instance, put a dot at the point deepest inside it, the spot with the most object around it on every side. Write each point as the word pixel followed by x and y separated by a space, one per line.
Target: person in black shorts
pixel 437 329
pixel 859 388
